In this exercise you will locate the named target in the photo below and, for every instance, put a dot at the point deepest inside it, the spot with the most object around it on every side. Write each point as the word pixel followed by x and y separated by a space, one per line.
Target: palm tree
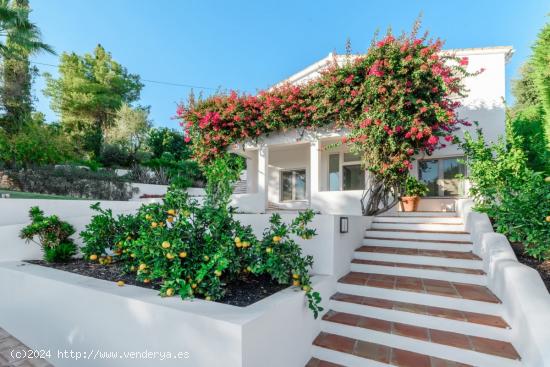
pixel 19 39
pixel 23 36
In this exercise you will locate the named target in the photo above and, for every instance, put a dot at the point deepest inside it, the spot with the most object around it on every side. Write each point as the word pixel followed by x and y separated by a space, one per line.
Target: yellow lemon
pixel 295 276
pixel 237 240
pixel 276 239
pixel 239 244
pixel 296 283
pixel 248 268
pixel 146 280
pixel 170 219
pixel 170 256
pixel 548 218
pixel 169 292
pixel 193 286
pixel 142 266
pixel 547 179
pixel 93 257
pixel 171 212
pixel 161 224
pixel 148 217
pixel 218 273
pixel 206 258
pixel 165 244
pixel 183 254
pixel 268 250
pixel 132 268
pixel 208 298
pixel 306 288
pixel 246 244
pixel 120 283
pixel 154 225
pixel 132 255
pixel 129 238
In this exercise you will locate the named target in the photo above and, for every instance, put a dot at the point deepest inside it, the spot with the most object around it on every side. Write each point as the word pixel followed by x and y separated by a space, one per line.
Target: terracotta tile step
pixel 381 353
pixel 314 362
pixel 415 231
pixel 447 313
pixel 421 285
pixel 419 266
pixel 420 252
pixel 418 240
pixel 474 343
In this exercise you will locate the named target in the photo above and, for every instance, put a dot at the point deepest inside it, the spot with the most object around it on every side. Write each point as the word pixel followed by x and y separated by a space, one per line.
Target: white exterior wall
pixel 524 296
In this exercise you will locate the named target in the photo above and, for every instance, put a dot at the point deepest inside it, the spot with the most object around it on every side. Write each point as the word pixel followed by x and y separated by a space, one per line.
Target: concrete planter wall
pixel 526 299
pixel 53 310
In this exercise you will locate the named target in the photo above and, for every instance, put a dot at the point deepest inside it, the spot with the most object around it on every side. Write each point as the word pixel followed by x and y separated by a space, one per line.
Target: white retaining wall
pixel 525 298
pixel 53 310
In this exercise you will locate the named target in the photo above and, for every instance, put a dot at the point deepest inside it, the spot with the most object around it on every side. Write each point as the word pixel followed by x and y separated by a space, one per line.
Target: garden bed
pixel 81 313
pixel 241 292
pixel 543 267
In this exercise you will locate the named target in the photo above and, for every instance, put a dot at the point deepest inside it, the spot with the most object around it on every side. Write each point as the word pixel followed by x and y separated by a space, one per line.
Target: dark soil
pixel 241 292
pixel 543 267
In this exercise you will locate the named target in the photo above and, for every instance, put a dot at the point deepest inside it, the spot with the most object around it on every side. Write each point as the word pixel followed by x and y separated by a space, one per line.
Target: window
pixel 345 172
pixel 440 176
pixel 293 185
pixel 334 172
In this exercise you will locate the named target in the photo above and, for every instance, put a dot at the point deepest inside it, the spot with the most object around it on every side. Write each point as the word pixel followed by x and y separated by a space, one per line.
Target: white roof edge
pixel 508 51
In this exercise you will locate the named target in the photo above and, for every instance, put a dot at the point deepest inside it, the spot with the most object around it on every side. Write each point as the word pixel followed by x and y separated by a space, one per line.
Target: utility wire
pixel 145 80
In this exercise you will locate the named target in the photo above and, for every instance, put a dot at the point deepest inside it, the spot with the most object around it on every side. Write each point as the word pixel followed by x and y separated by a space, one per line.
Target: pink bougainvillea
pixel 394 101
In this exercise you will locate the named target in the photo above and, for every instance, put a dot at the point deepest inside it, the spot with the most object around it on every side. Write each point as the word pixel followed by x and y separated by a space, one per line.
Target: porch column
pixel 252 173
pixel 263 175
pixel 314 163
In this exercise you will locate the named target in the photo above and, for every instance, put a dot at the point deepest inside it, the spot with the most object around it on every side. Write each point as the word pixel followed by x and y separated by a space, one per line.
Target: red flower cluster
pixel 395 100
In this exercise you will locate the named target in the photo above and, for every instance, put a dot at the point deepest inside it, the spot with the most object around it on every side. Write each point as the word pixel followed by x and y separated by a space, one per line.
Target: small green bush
pixel 53 236
pixel 105 233
pixel 413 187
pixel 516 198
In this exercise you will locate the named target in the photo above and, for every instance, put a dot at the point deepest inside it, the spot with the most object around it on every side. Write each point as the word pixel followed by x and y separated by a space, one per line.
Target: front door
pixel 293 185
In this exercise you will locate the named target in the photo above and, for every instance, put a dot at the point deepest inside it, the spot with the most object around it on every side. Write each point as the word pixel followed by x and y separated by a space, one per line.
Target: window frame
pixel 293 170
pixel 440 176
pixel 341 164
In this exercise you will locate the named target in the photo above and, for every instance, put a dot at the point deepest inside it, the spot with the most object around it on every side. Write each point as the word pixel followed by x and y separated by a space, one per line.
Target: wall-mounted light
pixel 343 224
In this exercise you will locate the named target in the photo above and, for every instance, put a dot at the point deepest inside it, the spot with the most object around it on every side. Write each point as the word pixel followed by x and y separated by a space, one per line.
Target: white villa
pixel 294 171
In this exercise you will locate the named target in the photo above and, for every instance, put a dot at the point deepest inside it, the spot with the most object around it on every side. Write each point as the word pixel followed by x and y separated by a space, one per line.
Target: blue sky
pixel 250 45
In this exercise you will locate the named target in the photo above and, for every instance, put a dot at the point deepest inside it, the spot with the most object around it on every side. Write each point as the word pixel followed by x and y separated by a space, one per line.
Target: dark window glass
pixel 354 177
pixel 428 173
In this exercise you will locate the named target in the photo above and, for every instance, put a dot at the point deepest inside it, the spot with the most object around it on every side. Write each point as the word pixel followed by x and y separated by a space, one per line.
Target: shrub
pixel 413 187
pixel 194 250
pixel 35 144
pixel 114 155
pixel 53 236
pixel 105 233
pixel 516 198
pixel 72 181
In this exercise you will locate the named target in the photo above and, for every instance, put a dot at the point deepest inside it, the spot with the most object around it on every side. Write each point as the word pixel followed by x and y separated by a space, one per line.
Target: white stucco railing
pixel 524 296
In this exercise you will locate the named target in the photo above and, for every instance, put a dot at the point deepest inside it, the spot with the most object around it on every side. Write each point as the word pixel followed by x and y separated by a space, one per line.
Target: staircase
pixel 416 296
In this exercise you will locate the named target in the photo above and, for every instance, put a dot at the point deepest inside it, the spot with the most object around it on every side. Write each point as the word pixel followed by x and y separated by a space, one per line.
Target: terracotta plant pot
pixel 409 203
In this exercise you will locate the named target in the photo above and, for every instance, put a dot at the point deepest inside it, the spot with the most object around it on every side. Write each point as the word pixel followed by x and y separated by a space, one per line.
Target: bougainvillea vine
pixel 398 99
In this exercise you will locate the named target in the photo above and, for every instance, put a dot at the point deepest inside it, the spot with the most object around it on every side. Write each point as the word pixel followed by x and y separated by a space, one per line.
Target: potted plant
pixel 414 189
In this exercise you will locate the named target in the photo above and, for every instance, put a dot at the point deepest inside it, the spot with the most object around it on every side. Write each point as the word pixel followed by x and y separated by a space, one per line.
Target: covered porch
pixel 296 170
pixel 293 172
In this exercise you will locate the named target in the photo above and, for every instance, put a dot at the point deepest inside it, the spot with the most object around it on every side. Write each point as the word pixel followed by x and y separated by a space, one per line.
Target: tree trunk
pixel 378 196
